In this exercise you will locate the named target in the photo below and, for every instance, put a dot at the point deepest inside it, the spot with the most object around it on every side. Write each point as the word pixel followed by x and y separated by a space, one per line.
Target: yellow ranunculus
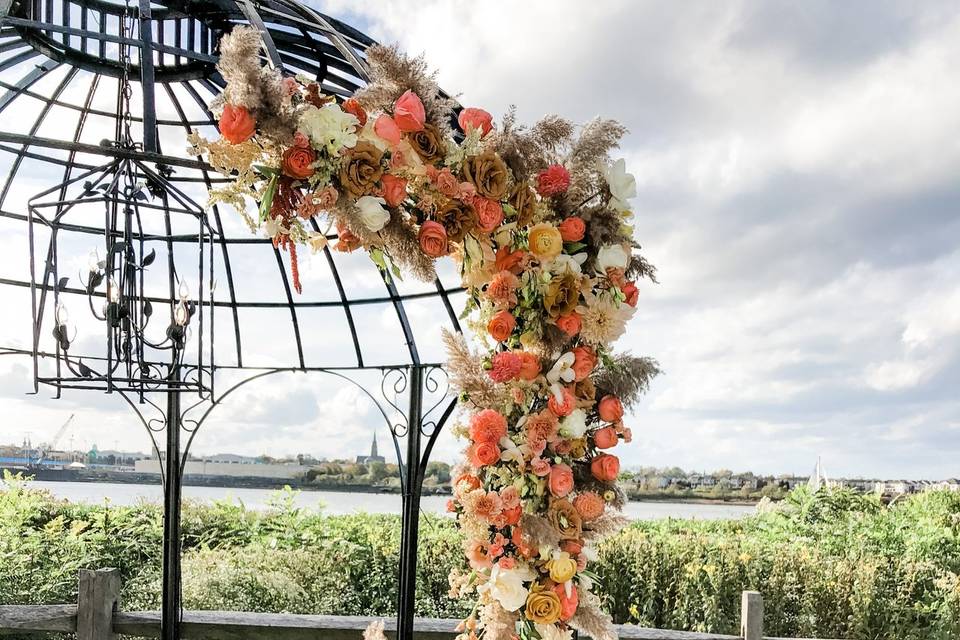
pixel 545 241
pixel 543 606
pixel 562 567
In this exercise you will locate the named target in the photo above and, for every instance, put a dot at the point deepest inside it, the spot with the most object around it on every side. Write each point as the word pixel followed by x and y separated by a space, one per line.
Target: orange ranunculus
pixel 297 162
pixel 565 408
pixel 433 239
pixel 237 124
pixel 585 360
pixel 568 604
pixel 605 467
pixel 606 438
pixel 408 112
pixel 530 366
pixel 631 293
pixel 501 325
pixel 394 189
pixel 482 454
pixel 545 241
pixel 560 480
pixel 473 118
pixel 350 105
pixel 572 229
pixel 570 323
pixel 610 408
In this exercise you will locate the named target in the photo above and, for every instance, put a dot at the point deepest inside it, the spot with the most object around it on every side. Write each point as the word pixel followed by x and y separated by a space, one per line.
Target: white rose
pixel 623 185
pixel 612 255
pixel 372 212
pixel 506 586
pixel 330 127
pixel 574 425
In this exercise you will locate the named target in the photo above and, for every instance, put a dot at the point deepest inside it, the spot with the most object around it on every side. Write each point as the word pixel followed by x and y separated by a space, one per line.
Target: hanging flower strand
pixel 538 220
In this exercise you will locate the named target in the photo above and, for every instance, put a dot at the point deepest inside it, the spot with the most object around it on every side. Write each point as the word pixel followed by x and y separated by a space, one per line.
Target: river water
pixel 338 502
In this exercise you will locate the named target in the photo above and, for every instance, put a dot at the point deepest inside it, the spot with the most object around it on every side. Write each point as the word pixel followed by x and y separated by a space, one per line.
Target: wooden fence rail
pixel 97 616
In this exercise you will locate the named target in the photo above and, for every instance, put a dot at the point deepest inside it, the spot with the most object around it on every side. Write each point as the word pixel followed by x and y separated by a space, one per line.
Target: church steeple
pixel 373 447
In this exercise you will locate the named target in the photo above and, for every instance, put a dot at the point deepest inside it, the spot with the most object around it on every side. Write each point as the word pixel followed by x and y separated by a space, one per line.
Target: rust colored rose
pixel 566 519
pixel 501 325
pixel 347 240
pixel 428 143
pixel 458 218
pixel 433 239
pixel 605 467
pixel 570 324
pixel 562 295
pixel 360 170
pixel 297 162
pixel 585 389
pixel 610 408
pixel 524 202
pixel 350 105
pixel 606 438
pixel 237 124
pixel 572 229
pixel 488 173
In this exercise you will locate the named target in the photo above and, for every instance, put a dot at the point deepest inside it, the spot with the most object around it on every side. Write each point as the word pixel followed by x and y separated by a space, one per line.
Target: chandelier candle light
pixel 538 220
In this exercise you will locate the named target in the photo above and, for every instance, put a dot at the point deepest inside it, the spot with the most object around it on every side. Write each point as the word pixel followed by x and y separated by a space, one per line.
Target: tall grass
pixel 829 565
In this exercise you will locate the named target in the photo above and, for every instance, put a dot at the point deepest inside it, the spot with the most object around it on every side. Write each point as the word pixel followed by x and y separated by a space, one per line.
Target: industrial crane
pixel 45 449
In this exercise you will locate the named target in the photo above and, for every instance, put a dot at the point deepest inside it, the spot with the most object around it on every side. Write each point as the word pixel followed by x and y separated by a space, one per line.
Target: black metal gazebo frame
pixel 174 396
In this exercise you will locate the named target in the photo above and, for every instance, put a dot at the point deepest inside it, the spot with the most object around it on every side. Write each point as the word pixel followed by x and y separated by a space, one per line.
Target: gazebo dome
pixel 63 66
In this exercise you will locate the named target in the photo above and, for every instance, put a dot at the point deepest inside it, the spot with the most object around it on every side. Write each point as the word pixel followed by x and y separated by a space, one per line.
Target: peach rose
pixel 501 325
pixel 473 118
pixel 553 180
pixel 565 408
pixel 572 229
pixel 394 189
pixel 237 124
pixel 631 293
pixel 561 480
pixel 605 467
pixel 482 454
pixel 296 162
pixel 489 214
pixel 570 323
pixel 540 467
pixel 568 604
pixel 350 105
pixel 487 426
pixel 606 438
pixel 610 409
pixel 386 128
pixel 408 112
pixel 433 239
pixel 444 180
pixel 545 241
pixel 529 366
pixel 584 362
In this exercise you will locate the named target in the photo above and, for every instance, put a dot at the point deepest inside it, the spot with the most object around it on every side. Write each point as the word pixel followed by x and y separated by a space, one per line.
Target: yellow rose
pixel 543 607
pixel 562 568
pixel 545 241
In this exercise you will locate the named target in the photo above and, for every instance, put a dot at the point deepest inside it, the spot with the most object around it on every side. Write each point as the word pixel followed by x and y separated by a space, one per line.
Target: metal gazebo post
pixel 411 509
pixel 170 603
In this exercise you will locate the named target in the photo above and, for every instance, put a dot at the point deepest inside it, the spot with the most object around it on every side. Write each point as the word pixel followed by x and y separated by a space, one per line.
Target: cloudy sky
pixel 797 166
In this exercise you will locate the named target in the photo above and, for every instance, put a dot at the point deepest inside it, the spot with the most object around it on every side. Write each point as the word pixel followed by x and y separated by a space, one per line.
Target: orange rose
pixel 489 214
pixel 237 124
pixel 394 189
pixel 530 366
pixel 584 362
pixel 297 161
pixel 572 229
pixel 631 293
pixel 570 323
pixel 605 467
pixel 512 515
pixel 508 260
pixel 433 239
pixel 473 118
pixel 568 604
pixel 350 105
pixel 482 454
pixel 408 112
pixel 606 438
pixel 610 409
pixel 560 480
pixel 565 408
pixel 545 241
pixel 501 325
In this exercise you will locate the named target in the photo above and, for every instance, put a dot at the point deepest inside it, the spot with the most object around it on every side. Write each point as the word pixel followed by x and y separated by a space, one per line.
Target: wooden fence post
pixel 751 616
pixel 98 598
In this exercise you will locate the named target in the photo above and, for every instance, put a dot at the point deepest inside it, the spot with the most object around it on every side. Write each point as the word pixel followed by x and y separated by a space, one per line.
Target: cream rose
pixel 372 212
pixel 506 586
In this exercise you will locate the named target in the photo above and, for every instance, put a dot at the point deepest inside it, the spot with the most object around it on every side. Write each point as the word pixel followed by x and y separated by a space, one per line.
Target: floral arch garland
pixel 538 221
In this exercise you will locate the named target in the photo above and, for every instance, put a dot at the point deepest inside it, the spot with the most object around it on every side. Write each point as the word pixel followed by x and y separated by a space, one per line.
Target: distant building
pixel 374 456
pixel 233 469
